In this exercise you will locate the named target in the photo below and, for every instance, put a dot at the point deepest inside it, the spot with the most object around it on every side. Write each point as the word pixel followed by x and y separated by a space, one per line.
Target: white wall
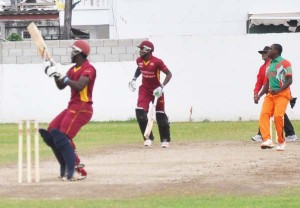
pixel 141 18
pixel 214 74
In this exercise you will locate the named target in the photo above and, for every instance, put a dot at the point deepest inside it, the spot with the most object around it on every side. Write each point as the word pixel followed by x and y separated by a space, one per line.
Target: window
pixel 273 22
pixel 25 35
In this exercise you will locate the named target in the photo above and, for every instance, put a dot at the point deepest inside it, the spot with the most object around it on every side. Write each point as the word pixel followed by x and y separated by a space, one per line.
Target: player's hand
pixel 158 92
pixel 48 63
pixel 256 98
pixel 132 85
pixel 54 71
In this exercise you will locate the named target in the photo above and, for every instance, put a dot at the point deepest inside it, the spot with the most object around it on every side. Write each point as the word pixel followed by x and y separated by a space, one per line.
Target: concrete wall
pixel 25 52
pixel 213 74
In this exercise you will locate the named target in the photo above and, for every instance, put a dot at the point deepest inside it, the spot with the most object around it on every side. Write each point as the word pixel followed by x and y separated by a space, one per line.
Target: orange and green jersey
pixel 277 72
pixel 86 94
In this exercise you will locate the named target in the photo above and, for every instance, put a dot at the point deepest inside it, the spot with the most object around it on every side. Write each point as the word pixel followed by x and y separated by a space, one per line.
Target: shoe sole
pixel 79 166
pixel 291 140
pixel 256 140
pixel 267 147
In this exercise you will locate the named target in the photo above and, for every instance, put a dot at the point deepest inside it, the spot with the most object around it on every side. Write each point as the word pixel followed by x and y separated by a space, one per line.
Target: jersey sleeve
pixel 161 65
pixel 261 76
pixel 288 67
pixel 90 72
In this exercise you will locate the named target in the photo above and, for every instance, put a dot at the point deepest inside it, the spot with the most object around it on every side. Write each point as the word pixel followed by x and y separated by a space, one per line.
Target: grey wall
pixel 25 52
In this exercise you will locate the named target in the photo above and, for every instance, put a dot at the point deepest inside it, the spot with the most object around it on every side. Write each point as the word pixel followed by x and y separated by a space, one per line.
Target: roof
pixel 273 18
pixel 31 14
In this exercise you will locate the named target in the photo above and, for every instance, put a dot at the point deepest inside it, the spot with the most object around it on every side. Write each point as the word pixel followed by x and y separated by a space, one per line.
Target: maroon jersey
pixel 86 94
pixel 150 71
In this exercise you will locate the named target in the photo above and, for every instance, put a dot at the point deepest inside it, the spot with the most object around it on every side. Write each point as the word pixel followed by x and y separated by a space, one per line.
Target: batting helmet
pixel 147 44
pixel 82 46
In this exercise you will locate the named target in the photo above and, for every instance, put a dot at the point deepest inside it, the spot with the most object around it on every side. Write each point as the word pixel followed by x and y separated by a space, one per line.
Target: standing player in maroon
pixel 64 127
pixel 150 68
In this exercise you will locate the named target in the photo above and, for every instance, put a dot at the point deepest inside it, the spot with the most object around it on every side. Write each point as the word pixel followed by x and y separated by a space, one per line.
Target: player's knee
pixel 278 117
pixel 141 115
pixel 63 145
pixel 59 139
pixel 162 119
pixel 46 137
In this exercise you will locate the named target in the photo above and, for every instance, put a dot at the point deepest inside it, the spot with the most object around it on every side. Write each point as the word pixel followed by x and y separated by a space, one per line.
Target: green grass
pixel 100 134
pixel 97 135
pixel 291 201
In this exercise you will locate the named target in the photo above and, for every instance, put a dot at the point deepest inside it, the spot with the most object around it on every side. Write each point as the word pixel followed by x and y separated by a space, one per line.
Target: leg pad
pixel 47 137
pixel 62 144
pixel 141 117
pixel 163 126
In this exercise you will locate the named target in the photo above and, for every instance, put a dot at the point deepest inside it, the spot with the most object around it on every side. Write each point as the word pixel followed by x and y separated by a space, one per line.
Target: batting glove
pixel 132 85
pixel 54 71
pixel 158 91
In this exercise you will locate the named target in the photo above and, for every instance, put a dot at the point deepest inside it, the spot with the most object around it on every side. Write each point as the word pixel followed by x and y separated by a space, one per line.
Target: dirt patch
pixel 184 168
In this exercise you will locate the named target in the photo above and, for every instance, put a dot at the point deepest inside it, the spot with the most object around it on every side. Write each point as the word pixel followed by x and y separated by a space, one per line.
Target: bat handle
pixel 155 100
pixel 52 61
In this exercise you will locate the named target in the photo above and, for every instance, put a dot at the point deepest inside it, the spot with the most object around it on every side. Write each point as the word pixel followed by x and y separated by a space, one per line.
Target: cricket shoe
pixel 80 173
pixel 281 147
pixel 147 142
pixel 165 144
pixel 268 144
pixel 291 138
pixel 257 138
pixel 76 177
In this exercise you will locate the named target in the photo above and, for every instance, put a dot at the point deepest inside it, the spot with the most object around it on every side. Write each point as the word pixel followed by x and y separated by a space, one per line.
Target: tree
pixel 67 33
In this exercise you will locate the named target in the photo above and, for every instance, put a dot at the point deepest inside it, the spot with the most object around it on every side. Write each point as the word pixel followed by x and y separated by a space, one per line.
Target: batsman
pixel 64 127
pixel 150 67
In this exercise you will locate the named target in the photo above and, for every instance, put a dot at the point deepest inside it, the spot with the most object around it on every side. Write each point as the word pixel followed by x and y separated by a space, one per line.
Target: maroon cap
pixel 147 44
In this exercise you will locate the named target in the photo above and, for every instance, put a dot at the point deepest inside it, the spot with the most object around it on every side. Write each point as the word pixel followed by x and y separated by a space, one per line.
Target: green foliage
pixel 14 37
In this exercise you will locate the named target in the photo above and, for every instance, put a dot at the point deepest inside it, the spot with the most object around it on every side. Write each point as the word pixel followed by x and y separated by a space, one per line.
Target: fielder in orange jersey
pixel 64 127
pixel 277 87
pixel 261 80
pixel 150 67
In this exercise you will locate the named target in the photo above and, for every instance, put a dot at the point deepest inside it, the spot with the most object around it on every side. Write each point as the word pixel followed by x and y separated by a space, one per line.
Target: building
pixel 49 17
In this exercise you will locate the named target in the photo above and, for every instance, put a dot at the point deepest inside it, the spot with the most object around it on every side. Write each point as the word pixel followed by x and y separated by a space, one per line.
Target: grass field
pixel 108 134
pixel 96 135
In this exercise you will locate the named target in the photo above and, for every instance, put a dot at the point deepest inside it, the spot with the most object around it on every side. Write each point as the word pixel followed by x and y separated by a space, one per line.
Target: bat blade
pixel 151 118
pixel 38 41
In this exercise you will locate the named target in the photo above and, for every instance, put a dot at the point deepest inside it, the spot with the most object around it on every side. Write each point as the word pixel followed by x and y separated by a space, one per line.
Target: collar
pixel 278 59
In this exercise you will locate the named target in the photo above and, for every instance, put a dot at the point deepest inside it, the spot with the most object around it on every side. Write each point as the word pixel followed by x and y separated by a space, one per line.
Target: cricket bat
pixel 38 41
pixel 151 118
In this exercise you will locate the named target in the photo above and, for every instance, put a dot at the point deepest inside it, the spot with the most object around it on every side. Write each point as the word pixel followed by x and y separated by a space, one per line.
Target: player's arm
pixel 131 84
pixel 168 77
pixel 261 76
pixel 60 83
pixel 76 85
pixel 159 90
pixel 137 73
pixel 264 90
